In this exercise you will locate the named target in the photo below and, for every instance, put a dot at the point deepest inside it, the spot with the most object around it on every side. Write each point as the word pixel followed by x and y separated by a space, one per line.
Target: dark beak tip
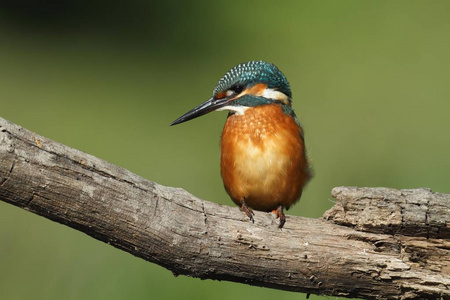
pixel 177 121
pixel 202 109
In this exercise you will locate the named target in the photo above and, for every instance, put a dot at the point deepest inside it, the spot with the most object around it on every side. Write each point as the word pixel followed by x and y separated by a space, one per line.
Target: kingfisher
pixel 263 160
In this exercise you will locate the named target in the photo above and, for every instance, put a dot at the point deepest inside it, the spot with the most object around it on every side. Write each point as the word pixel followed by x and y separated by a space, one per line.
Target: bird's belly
pixel 266 173
pixel 261 177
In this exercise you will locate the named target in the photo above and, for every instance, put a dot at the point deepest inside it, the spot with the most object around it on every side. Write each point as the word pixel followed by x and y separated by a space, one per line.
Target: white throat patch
pixel 239 110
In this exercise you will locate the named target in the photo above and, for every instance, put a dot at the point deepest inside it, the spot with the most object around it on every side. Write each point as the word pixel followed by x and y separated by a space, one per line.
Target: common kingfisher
pixel 263 157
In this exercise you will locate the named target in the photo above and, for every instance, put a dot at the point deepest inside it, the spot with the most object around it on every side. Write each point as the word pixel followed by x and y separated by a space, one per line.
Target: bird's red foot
pixel 280 214
pixel 248 211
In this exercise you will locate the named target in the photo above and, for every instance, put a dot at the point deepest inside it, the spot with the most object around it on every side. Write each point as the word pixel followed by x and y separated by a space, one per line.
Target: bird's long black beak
pixel 211 105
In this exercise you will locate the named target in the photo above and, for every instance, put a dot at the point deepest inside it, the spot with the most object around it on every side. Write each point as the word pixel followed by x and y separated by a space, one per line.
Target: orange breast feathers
pixel 263 158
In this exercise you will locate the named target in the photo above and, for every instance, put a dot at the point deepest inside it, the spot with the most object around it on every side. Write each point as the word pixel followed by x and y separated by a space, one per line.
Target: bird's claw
pixel 280 214
pixel 248 211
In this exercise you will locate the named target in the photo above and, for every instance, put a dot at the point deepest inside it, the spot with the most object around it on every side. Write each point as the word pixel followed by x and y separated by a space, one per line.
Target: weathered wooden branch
pixel 375 243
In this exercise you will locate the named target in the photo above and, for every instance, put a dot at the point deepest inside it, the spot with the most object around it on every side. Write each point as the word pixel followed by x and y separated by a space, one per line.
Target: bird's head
pixel 247 85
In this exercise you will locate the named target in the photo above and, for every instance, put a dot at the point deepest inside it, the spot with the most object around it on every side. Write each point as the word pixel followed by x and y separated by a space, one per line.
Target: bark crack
pixel 156 204
pixel 30 200
pixel 9 173
pixel 427 213
pixel 205 219
pixel 402 213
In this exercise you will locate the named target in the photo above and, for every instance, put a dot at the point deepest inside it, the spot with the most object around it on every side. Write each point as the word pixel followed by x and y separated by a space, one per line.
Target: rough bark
pixel 375 243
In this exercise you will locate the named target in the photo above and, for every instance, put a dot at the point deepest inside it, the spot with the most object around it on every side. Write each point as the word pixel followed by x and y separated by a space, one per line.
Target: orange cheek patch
pixel 221 95
pixel 256 90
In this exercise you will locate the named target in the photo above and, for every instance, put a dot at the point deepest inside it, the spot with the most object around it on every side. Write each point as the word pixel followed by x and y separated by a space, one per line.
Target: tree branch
pixel 375 243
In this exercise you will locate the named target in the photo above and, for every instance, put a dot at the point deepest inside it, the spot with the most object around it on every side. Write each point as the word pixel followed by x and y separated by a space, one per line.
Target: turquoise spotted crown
pixel 253 72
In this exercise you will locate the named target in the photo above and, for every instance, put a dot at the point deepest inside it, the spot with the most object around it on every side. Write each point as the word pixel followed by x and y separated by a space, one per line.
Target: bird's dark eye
pixel 237 89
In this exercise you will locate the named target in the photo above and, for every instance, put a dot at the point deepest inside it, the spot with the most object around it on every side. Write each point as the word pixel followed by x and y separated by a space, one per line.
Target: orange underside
pixel 263 158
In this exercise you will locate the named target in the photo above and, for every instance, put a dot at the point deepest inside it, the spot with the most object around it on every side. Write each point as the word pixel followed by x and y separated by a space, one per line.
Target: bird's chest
pixel 260 142
pixel 251 142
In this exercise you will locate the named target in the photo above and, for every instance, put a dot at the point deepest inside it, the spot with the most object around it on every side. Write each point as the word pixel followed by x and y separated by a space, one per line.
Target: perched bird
pixel 263 161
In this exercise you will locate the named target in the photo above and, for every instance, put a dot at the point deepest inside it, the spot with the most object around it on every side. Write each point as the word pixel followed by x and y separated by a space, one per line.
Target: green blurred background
pixel 371 87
